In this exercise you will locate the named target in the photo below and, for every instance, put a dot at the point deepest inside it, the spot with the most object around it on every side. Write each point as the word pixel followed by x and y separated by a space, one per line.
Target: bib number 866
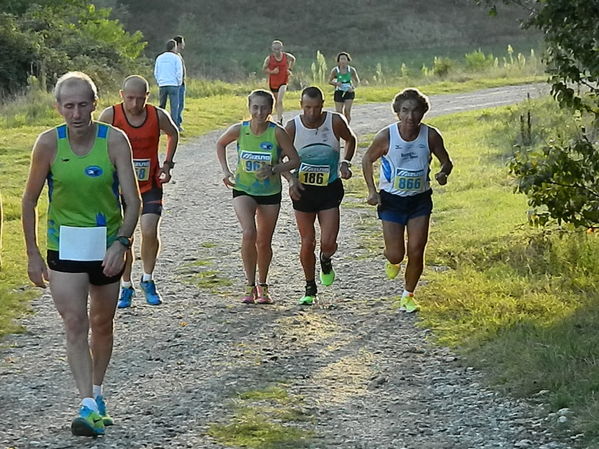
pixel 408 183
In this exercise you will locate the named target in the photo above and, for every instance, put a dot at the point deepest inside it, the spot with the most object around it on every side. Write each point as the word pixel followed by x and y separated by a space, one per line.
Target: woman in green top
pixel 261 147
pixel 345 79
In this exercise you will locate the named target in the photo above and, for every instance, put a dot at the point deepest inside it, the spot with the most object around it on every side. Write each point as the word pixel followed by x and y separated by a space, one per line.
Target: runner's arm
pixel 229 136
pixel 119 150
pixel 107 115
pixel 167 125
pixel 435 143
pixel 44 151
pixel 265 68
pixel 295 187
pixel 343 131
pixel 288 151
pixel 333 78
pixel 290 61
pixel 377 149
pixel 355 78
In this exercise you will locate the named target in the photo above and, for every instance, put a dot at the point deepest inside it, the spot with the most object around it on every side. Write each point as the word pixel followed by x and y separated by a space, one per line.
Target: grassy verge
pixel 522 304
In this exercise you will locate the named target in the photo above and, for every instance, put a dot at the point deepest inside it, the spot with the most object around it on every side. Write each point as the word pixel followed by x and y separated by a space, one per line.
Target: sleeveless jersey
pixel 144 143
pixel 253 152
pixel 344 79
pixel 83 191
pixel 406 166
pixel 276 80
pixel 318 149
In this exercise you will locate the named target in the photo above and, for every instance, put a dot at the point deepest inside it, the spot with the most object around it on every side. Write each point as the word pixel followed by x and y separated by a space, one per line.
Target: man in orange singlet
pixel 278 67
pixel 143 123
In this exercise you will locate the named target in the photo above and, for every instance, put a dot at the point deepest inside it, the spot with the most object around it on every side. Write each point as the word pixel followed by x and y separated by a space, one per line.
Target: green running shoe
pixel 327 274
pixel 392 270
pixel 88 424
pixel 408 304
pixel 310 297
pixel 108 421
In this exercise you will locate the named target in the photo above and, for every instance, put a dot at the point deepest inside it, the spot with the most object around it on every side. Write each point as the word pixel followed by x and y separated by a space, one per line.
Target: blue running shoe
pixel 108 421
pixel 88 424
pixel 127 294
pixel 152 296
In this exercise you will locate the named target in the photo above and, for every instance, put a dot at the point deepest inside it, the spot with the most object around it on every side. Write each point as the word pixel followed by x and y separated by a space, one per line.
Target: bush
pixel 477 60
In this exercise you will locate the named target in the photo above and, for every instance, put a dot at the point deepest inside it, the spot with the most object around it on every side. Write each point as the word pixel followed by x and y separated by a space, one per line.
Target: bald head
pixel 136 83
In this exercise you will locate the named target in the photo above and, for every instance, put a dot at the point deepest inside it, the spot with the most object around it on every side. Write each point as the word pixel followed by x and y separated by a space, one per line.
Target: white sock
pixel 90 403
pixel 407 293
pixel 146 277
pixel 97 389
pixel 126 284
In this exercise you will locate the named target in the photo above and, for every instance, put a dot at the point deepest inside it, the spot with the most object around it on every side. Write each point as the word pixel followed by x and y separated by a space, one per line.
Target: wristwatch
pixel 345 161
pixel 125 241
pixel 171 164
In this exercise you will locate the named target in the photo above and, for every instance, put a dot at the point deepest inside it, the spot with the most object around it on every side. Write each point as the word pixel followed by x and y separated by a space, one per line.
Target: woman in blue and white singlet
pixel 404 201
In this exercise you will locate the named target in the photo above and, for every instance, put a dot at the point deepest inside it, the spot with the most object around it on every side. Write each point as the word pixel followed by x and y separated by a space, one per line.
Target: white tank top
pixel 406 166
pixel 324 134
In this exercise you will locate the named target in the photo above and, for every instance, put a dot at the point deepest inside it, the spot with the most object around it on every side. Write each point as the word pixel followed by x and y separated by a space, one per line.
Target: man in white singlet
pixel 316 188
pixel 404 200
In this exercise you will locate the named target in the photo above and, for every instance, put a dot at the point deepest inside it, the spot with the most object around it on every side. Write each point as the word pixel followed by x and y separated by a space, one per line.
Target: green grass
pixel 520 303
pixel 270 418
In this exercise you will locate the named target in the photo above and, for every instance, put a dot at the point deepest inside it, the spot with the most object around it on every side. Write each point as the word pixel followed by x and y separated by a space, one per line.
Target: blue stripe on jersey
pixel 102 131
pixel 62 131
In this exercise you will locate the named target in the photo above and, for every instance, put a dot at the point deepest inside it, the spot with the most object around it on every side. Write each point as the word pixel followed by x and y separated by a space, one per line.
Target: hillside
pixel 229 38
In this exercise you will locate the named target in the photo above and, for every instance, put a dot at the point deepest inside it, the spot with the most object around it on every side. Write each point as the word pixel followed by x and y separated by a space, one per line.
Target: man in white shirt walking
pixel 168 71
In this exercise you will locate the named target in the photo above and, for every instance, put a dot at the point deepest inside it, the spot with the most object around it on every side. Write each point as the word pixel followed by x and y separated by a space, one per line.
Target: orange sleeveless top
pixel 144 142
pixel 276 80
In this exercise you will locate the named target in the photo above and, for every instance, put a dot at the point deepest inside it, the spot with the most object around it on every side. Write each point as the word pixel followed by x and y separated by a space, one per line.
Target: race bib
pixel 408 181
pixel 253 161
pixel 82 244
pixel 314 175
pixel 345 87
pixel 142 169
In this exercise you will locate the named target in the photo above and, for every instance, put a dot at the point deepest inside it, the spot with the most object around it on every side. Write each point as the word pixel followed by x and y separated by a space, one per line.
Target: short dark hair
pixel 170 44
pixel 411 94
pixel 178 38
pixel 343 53
pixel 313 92
pixel 261 93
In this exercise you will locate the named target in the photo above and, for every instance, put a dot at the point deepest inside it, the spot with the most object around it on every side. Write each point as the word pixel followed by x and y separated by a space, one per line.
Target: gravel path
pixel 349 373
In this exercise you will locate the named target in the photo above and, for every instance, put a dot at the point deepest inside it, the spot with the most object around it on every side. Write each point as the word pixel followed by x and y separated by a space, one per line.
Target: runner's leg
pixel 266 219
pixel 103 300
pixel 393 235
pixel 69 293
pixel 417 239
pixel 245 208
pixel 305 226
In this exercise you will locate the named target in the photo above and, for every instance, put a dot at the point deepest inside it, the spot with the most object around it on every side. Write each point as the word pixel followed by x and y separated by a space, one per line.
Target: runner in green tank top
pixel 261 147
pixel 345 79
pixel 86 165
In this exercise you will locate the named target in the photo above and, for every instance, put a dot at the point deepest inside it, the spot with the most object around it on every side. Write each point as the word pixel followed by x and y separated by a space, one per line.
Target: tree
pixel 47 38
pixel 561 179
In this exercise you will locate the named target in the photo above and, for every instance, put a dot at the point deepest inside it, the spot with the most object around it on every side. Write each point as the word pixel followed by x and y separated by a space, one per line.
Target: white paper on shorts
pixel 82 244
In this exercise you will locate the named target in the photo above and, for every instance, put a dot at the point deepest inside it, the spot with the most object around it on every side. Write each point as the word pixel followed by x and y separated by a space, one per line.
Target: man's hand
pixel 164 174
pixel 346 172
pixel 114 259
pixel 37 270
pixel 264 172
pixel 295 190
pixel 374 199
pixel 441 178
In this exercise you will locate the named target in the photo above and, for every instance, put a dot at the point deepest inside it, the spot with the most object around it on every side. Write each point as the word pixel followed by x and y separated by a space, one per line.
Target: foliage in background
pixel 45 39
pixel 561 178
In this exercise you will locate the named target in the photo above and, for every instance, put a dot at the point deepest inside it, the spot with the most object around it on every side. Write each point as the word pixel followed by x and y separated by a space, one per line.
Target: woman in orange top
pixel 278 67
